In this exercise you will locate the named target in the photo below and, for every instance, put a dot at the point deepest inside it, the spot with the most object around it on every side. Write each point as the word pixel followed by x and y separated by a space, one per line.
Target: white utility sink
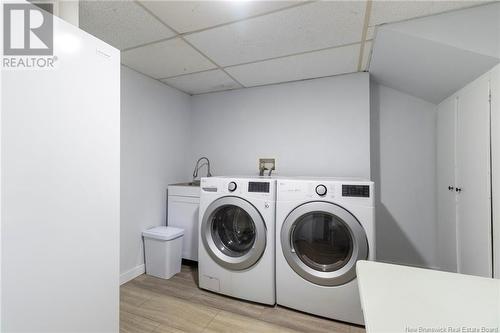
pixel 191 189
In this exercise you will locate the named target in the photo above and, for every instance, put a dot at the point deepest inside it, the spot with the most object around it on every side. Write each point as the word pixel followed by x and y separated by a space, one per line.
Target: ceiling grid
pixel 368 11
pixel 187 42
pixel 203 46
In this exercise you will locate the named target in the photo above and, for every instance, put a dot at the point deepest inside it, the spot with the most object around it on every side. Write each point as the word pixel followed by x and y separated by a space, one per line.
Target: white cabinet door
pixel 447 241
pixel 473 180
pixel 183 213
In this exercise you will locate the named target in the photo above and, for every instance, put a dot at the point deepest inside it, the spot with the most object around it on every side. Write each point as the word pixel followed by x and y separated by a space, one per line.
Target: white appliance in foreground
pixel 396 297
pixel 60 187
pixel 237 230
pixel 323 227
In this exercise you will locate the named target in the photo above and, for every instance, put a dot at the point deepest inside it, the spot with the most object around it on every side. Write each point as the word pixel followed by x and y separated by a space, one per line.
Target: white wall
pixel 155 131
pixel 60 191
pixel 403 168
pixel 317 127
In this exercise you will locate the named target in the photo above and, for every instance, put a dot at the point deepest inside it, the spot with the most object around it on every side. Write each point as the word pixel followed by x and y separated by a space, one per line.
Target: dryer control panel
pixel 340 191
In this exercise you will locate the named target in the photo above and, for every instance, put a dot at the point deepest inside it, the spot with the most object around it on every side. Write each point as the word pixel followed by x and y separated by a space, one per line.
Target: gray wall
pixel 317 128
pixel 155 132
pixel 403 145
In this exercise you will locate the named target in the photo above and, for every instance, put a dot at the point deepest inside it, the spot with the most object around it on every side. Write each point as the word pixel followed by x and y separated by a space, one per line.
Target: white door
pixel 473 180
pixel 447 235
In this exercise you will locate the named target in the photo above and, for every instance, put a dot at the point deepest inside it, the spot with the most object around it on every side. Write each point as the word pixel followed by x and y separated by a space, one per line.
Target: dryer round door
pixel 233 233
pixel 322 241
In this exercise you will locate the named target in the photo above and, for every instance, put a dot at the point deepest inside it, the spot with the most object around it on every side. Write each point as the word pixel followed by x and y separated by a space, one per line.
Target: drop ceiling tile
pixel 185 16
pixel 335 61
pixel 445 6
pixel 305 28
pixel 393 11
pixel 122 24
pixel 198 83
pixel 165 59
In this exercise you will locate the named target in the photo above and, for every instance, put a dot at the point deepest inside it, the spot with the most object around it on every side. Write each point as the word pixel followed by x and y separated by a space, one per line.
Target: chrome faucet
pixel 198 166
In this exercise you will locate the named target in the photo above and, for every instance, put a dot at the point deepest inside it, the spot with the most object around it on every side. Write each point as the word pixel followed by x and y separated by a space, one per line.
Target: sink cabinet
pixel 182 212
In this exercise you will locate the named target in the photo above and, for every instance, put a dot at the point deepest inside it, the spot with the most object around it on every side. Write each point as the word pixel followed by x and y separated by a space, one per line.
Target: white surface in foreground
pixel 407 299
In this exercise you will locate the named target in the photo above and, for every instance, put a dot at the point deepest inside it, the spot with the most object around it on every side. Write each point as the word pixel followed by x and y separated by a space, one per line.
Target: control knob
pixel 232 186
pixel 321 190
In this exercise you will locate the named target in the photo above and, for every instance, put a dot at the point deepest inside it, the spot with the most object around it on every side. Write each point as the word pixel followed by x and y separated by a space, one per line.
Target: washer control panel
pixel 321 190
pixel 261 187
pixel 232 186
pixel 358 191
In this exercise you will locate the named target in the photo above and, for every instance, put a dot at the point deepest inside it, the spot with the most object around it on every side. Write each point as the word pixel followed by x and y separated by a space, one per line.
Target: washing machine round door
pixel 322 241
pixel 233 233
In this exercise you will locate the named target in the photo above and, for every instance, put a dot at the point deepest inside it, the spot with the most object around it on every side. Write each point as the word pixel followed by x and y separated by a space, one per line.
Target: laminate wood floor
pixel 149 304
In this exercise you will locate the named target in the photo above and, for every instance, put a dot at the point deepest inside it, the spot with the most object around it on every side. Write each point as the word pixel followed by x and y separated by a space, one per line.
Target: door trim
pixel 358 235
pixel 251 256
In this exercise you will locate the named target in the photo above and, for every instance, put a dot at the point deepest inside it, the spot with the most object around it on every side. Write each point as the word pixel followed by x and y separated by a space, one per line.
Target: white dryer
pixel 237 235
pixel 323 227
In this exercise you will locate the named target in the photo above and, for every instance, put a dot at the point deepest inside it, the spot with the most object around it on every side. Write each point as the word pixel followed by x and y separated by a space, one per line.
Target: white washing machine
pixel 237 235
pixel 323 227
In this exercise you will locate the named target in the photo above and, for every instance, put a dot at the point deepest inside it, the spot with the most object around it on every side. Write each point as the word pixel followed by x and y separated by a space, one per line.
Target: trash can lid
pixel 163 233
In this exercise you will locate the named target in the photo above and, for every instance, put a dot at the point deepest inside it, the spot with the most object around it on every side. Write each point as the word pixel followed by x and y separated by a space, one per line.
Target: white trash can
pixel 163 248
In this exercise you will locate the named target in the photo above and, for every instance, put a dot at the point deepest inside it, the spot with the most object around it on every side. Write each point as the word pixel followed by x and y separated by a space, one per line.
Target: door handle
pixel 451 188
pixel 458 189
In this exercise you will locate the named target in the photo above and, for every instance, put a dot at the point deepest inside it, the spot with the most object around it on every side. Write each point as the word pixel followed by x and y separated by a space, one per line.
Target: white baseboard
pixel 132 274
